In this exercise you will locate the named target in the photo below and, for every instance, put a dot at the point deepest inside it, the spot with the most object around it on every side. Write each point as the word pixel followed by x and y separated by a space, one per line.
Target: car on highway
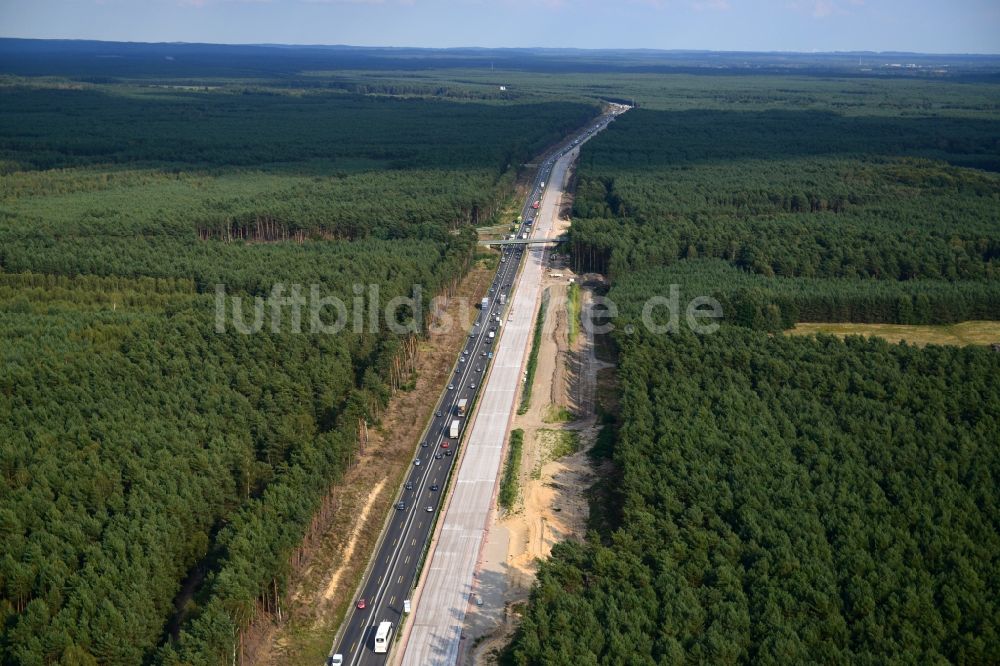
pixel 430 509
pixel 465 352
pixel 434 487
pixel 448 452
pixel 438 413
pixel 409 485
pixel 478 369
pixel 417 462
pixel 451 387
pixel 400 506
pixel 438 456
pixel 362 603
pixel 335 660
pixel 472 386
pixel 423 444
pixel 445 445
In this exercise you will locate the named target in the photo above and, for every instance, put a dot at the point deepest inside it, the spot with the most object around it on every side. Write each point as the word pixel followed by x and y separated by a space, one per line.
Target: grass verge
pixel 965 333
pixel 572 312
pixel 553 445
pixel 536 343
pixel 508 484
pixel 557 414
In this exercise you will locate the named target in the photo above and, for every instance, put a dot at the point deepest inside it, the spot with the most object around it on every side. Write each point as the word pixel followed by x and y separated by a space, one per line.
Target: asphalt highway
pixel 394 569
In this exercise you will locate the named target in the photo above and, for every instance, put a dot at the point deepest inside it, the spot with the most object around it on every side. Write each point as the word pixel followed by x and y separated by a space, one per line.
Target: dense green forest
pixel 790 500
pixel 159 476
pixel 780 500
pixel 791 194
pixel 776 303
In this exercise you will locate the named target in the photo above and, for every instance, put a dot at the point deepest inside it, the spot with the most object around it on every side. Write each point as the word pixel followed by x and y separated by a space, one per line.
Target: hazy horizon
pixel 472 47
pixel 796 26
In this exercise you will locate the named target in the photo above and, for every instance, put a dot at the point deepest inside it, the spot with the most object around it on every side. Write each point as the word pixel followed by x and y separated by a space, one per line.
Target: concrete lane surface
pixel 448 588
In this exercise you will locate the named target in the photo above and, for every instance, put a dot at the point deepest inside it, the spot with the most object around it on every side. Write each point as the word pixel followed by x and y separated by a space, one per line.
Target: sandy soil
pixel 334 583
pixel 321 594
pixel 552 505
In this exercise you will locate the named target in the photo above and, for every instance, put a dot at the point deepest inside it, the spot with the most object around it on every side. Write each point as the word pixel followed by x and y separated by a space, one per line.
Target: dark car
pixel 438 413
pixel 409 485
pixel 400 506
pixel 438 456
pixel 434 487
pixel 424 443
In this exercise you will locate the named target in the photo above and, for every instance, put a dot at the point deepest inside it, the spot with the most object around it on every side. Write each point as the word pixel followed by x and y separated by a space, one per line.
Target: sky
pixel 930 26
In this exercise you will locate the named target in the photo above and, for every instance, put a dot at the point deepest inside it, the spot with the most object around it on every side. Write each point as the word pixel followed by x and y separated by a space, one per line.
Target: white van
pixel 383 636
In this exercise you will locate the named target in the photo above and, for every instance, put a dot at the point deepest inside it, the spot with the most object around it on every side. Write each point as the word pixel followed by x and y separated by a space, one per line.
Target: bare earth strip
pixel 965 333
pixel 321 594
pixel 334 584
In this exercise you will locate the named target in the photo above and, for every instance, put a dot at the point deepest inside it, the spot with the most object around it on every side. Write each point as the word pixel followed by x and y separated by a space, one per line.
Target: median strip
pixel 536 343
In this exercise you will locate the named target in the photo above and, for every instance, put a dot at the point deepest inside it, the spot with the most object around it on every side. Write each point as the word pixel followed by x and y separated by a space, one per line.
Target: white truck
pixel 463 405
pixel 503 299
pixel 486 304
pixel 455 425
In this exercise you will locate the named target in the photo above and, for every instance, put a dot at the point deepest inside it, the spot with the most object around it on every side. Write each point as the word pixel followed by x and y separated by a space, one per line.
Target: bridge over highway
pixel 524 241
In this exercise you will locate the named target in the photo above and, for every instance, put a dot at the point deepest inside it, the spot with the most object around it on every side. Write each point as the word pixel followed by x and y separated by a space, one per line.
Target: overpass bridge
pixel 525 241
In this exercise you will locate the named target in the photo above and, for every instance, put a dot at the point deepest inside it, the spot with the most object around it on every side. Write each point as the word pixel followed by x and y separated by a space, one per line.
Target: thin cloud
pixel 711 5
